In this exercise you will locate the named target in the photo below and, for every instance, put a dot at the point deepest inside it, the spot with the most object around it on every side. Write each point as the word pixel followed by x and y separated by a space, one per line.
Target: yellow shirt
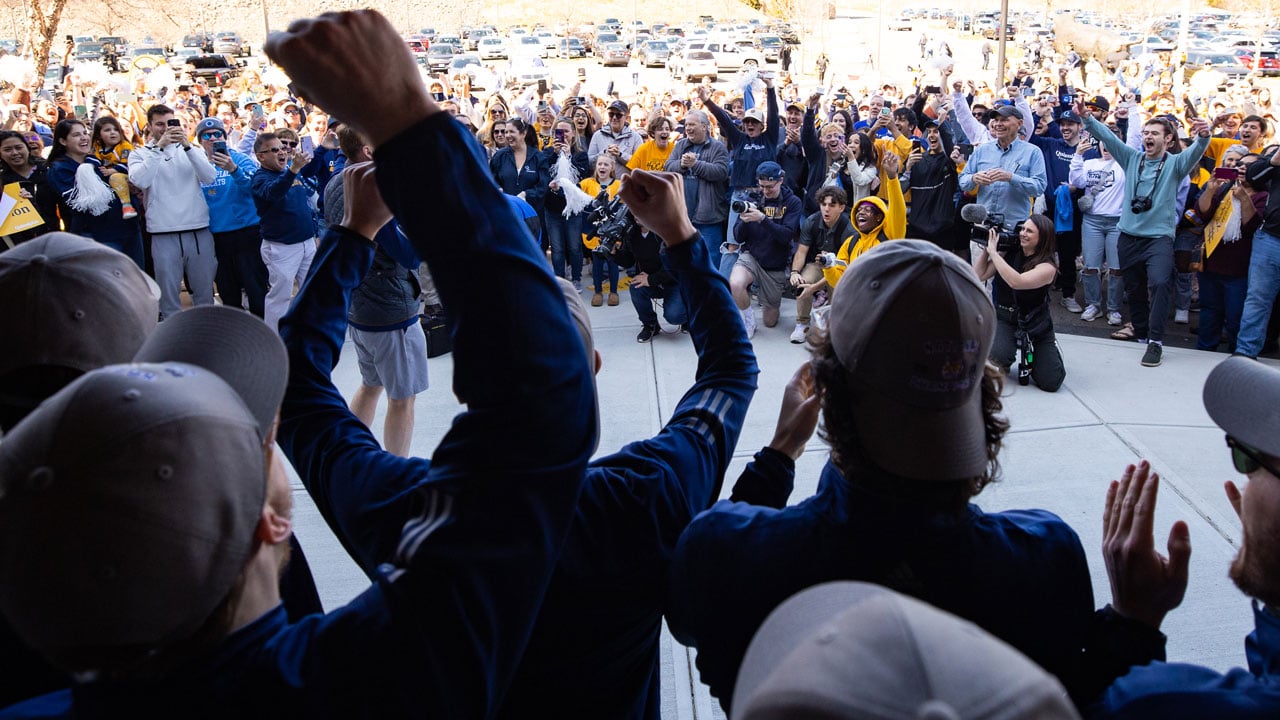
pixel 592 188
pixel 649 157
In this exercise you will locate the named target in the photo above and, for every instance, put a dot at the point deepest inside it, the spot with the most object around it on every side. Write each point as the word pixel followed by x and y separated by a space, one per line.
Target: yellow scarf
pixel 1214 229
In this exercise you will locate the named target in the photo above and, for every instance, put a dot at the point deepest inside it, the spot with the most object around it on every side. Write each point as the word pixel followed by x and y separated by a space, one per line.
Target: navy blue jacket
pixel 530 179
pixel 477 533
pixel 746 153
pixel 772 240
pixel 284 207
pixel 110 227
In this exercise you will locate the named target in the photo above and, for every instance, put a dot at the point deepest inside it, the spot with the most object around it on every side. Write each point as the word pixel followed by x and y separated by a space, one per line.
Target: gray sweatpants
pixel 189 252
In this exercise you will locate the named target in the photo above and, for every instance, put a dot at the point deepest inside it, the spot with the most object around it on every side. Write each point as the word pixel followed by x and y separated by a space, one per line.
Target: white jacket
pixel 171 178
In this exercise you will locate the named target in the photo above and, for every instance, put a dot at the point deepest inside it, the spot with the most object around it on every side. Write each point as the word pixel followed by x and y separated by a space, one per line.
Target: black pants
pixel 240 268
pixel 1068 248
pixel 1047 370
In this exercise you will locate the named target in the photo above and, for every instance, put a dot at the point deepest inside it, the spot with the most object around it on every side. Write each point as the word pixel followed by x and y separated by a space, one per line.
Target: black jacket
pixel 819 238
pixel 645 254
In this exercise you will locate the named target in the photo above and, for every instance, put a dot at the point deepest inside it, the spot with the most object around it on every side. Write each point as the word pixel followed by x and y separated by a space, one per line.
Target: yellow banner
pixel 18 212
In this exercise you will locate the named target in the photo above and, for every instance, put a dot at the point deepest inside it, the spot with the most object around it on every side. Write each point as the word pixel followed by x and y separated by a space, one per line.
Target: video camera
pixel 984 222
pixel 612 222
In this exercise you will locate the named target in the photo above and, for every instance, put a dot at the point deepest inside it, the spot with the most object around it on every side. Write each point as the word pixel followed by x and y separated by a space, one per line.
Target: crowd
pixel 140 577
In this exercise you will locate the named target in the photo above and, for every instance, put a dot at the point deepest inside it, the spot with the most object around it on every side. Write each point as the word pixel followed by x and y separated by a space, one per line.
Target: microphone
pixel 973 213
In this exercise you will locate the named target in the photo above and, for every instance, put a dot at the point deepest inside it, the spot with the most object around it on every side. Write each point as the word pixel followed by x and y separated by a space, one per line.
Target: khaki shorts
pixel 769 283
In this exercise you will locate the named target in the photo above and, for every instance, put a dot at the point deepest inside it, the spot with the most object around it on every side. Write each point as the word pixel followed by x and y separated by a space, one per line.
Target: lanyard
pixel 1154 181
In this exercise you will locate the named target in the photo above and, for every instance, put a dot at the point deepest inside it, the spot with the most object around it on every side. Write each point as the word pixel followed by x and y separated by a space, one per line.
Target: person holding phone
pixel 1232 212
pixel 233 219
pixel 1101 181
pixel 564 232
pixel 171 170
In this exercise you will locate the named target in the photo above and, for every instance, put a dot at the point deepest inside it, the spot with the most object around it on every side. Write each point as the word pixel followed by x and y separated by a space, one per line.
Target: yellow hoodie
pixel 893 227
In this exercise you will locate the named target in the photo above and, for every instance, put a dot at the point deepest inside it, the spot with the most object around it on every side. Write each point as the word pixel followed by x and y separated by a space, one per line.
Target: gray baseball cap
pixel 913 326
pixel 860 651
pixel 1243 398
pixel 72 302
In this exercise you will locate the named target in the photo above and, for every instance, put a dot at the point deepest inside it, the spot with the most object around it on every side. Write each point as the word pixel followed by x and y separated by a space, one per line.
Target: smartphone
pixel 561 135
pixel 966 149
pixel 1224 173
pixel 437 96
pixel 582 73
pixel 1068 97
pixel 884 111
pixel 841 97
pixel 1191 112
pixel 81 111
pixel 174 122
pixel 1028 92
pixel 542 86
pixel 932 90
pixel 220 146
pixel 608 91
pixel 581 100
pixel 258 112
pixel 307 145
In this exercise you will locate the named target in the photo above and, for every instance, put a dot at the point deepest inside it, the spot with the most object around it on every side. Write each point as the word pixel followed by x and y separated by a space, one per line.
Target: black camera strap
pixel 1154 181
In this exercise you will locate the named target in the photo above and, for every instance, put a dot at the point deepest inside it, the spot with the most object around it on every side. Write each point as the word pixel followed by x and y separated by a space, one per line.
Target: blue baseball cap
pixel 1069 115
pixel 769 170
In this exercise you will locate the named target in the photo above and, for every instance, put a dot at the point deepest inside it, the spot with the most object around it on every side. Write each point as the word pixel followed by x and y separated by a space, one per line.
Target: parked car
pixel 901 22
pixel 493 47
pixel 204 41
pixel 475 35
pixel 177 60
pixel 1226 63
pixel 1267 61
pixel 571 48
pixel 615 55
pixel 230 43
pixel 603 39
pixel 88 52
pixel 653 53
pixel 549 41
pixel 439 55
pixel 771 46
pixel 728 55
pixel 470 65
pixel 528 70
pixel 694 65
pixel 526 46
pixel 419 50
pixel 215 69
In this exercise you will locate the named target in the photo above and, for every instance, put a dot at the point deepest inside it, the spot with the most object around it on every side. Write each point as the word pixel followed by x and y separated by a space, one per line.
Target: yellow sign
pixel 18 212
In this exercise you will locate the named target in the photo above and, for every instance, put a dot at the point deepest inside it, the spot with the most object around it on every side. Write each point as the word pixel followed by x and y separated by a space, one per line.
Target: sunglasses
pixel 1247 459
pixel 498 111
pixel 289 143
pixel 271 151
pixel 213 135
pixel 615 115
pixel 291 111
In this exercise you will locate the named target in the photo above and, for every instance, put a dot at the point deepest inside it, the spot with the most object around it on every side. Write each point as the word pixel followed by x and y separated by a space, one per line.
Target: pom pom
pixel 575 198
pixel 90 194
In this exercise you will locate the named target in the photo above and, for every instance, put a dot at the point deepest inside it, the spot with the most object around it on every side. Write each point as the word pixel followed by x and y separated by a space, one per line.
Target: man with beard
pixel 1240 395
pixel 791 154
pixel 932 179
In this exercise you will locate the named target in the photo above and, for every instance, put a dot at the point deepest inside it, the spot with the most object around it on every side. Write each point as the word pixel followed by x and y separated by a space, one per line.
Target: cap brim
pixel 792 623
pixel 234 345
pixel 1240 395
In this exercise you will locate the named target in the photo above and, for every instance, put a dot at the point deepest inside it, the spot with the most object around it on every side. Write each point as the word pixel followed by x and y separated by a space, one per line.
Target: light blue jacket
pixel 229 196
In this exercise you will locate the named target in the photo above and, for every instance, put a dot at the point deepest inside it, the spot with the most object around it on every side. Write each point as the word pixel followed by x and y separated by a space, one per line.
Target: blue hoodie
pixel 283 206
pixel 230 195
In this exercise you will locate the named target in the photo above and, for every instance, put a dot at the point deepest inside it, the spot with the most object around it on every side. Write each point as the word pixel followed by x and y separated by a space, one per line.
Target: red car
pixel 1268 61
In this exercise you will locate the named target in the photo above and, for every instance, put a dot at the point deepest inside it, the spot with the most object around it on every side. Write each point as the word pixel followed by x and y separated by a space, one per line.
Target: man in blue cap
pixel 766 231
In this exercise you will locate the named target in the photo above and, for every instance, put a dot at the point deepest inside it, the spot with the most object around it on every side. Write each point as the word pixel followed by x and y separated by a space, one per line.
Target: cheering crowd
pixel 147 561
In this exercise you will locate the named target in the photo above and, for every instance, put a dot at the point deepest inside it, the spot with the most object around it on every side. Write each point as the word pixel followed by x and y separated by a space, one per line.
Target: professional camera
pixel 612 222
pixel 1140 205
pixel 752 202
pixel 1026 356
pixel 983 222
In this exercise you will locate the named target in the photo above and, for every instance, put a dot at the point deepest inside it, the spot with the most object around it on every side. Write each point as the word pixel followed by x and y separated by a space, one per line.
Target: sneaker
pixel 127 212
pixel 684 328
pixel 613 299
pixel 1113 318
pixel 577 285
pixel 647 332
pixel 749 319
pixel 798 335
pixel 597 300
pixel 1151 358
pixel 1071 305
pixel 1182 317
pixel 1090 313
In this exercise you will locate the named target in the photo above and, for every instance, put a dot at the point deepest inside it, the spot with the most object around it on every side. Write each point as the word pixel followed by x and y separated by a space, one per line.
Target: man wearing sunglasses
pixel 288 232
pixel 171 169
pixel 1241 396
pixel 616 137
pixel 233 220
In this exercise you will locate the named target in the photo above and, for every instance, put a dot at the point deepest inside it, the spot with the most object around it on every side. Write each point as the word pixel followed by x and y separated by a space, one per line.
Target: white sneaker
pixel 1091 313
pixel 749 319
pixel 1071 305
pixel 1182 316
pixel 798 335
pixel 1113 318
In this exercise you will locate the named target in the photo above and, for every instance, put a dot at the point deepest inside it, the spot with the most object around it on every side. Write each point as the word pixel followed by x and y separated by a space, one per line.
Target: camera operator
pixel 764 232
pixel 651 278
pixel 1021 275
pixel 1148 218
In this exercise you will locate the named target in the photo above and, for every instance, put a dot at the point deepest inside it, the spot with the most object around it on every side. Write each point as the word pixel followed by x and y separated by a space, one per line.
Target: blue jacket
pixel 230 196
pixel 110 227
pixel 772 240
pixel 747 153
pixel 531 179
pixel 594 649
pixel 284 208
pixel 447 618
pixel 1019 574
pixel 1166 691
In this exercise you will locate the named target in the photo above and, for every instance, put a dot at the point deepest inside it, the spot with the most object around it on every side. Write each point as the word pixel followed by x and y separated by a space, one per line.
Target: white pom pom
pixel 90 194
pixel 746 79
pixel 575 199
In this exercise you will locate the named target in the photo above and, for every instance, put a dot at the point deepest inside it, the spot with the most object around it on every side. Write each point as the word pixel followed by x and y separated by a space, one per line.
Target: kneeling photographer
pixel 1024 266
pixel 641 250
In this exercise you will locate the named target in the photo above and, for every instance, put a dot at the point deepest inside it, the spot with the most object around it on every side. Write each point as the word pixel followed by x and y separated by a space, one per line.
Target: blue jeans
pixel 599 265
pixel 1099 237
pixel 565 234
pixel 1221 305
pixel 1264 283
pixel 673 305
pixel 712 236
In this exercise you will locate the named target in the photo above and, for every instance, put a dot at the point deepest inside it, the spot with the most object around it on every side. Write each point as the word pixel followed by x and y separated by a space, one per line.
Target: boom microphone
pixel 973 213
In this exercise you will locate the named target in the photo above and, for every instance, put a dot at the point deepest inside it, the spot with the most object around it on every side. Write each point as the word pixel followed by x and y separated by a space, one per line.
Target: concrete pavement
pixel 1062 451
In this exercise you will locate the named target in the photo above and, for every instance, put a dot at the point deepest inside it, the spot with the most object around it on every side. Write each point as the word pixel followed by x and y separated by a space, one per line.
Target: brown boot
pixel 597 300
pixel 613 299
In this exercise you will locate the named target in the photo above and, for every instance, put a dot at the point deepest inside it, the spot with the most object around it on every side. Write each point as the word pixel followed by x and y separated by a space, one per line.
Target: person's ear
pixel 273 527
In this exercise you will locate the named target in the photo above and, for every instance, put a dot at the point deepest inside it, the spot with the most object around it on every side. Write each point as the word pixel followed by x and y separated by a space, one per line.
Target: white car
pixel 526 71
pixel 728 56
pixel 492 48
pixel 549 41
pixel 696 64
pixel 902 22
pixel 527 46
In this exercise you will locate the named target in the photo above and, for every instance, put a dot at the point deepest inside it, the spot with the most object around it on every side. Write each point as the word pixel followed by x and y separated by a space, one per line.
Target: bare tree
pixel 43 17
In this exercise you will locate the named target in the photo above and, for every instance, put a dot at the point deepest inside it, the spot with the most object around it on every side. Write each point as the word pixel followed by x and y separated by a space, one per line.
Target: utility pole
pixel 1004 23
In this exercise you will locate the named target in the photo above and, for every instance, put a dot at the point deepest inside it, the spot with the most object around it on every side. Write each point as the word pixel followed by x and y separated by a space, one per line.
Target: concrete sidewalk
pixel 1063 450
